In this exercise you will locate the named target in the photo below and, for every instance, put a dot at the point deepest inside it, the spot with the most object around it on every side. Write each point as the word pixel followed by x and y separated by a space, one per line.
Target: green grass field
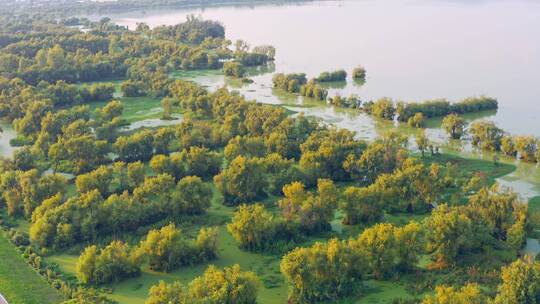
pixel 136 108
pixel 467 166
pixel 18 282
pixel 534 204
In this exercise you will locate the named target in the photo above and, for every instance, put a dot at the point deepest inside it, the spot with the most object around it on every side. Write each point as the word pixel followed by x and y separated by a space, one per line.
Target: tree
pixel 166 104
pixel 454 125
pixel 361 205
pixel 280 172
pixel 166 249
pixel 527 147
pixel 99 179
pixel 359 73
pixel 112 264
pixel 378 245
pixel 417 121
pixel 173 293
pixel 520 283
pixel 267 50
pixel 192 195
pixel 508 146
pixel 138 146
pixel 384 108
pixel 245 146
pixel 230 285
pixel 381 156
pixel 86 265
pixel 388 249
pixel 323 272
pixel 23 159
pixel 313 90
pixel 498 212
pixel 448 231
pixel 287 137
pixel 242 181
pixel 135 174
pixel 162 164
pixel 422 142
pixel 289 82
pixel 56 57
pixel 410 241
pixel 339 75
pixel 207 243
pixel 201 161
pixel 312 212
pixel 163 138
pixel 486 135
pixel 470 293
pixel 111 110
pixel 253 227
pixel 234 69
pixel 324 154
pixel 84 152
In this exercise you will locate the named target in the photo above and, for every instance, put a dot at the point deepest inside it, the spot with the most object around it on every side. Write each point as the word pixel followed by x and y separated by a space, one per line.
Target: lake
pixel 413 50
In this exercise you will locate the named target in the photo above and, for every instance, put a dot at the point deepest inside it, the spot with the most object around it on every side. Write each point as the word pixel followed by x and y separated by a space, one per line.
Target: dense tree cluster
pixel 359 73
pixel 415 113
pixel 193 161
pixel 417 121
pixel 110 264
pixel 230 285
pixel 332 270
pixel 63 221
pixel 470 293
pixel 234 69
pixel 519 284
pixel 491 216
pixel 325 154
pixel 311 212
pixel 439 108
pixel 339 75
pixel 23 191
pixel 167 248
pixel 313 90
pixel 289 82
pixel 298 83
pixel 256 229
pixel 383 108
pixel 486 135
pixel 454 125
pixel 352 102
pixel 43 66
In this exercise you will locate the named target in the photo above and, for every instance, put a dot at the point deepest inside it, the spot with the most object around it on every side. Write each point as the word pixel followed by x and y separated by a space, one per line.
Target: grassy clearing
pixel 136 108
pixel 18 282
pixel 467 167
pixel 534 204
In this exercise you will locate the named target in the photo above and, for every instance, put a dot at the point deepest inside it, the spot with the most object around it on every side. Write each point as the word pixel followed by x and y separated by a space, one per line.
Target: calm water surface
pixel 413 50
